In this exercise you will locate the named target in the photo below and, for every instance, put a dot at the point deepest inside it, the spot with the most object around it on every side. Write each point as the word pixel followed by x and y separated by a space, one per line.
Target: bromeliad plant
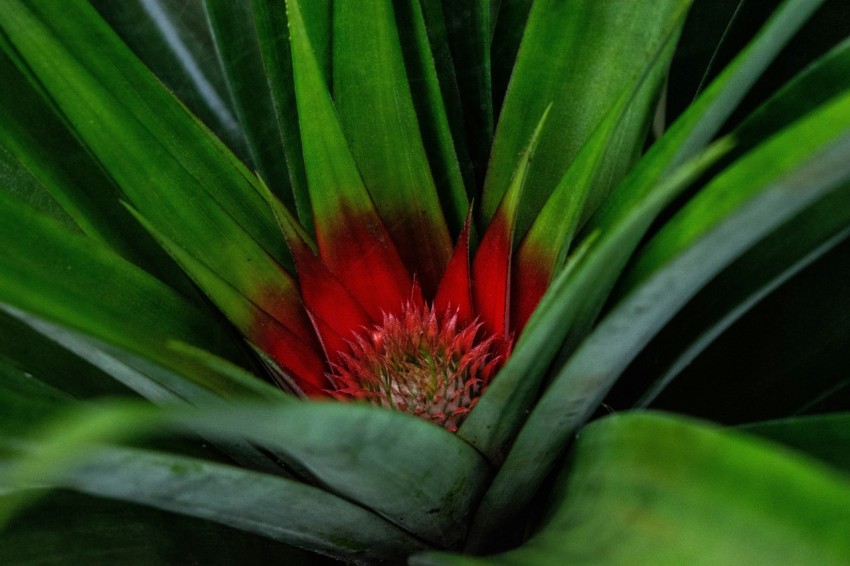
pixel 385 275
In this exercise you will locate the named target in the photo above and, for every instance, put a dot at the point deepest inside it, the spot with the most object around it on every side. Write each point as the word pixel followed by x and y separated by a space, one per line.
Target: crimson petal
pixel 335 314
pixel 491 270
pixel 530 279
pixel 358 250
pixel 296 358
pixel 454 291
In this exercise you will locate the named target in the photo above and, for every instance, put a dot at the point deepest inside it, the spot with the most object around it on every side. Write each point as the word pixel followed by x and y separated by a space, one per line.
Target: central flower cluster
pixel 417 361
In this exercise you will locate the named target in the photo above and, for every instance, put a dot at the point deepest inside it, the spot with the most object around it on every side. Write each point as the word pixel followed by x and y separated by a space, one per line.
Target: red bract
pixel 396 317
pixel 382 339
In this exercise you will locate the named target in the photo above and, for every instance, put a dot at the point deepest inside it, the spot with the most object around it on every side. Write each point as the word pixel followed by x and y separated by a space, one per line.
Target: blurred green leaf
pixel 345 447
pixel 645 488
pixel 102 531
pixel 826 437
pixel 277 508
pixel 26 402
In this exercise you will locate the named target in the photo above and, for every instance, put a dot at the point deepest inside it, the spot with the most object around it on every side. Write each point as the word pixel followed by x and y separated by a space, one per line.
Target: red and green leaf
pixel 372 96
pixel 352 240
pixel 491 268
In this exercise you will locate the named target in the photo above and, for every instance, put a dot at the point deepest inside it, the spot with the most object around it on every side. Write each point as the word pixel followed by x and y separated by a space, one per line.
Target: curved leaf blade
pixel 645 488
pixel 739 207
pixel 347 448
pixel 266 505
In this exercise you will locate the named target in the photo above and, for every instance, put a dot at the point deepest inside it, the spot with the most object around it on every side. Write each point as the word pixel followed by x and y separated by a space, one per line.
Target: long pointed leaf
pixel 570 58
pixel 375 105
pixel 770 263
pixel 445 154
pixel 653 184
pixel 734 211
pixel 168 39
pixel 181 177
pixel 235 34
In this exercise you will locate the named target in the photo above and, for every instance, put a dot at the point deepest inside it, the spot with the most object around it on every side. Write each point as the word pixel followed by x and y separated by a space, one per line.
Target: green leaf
pixel 373 98
pixel 70 280
pixel 255 322
pixel 575 298
pixel 17 180
pixel 114 315
pixel 468 32
pixel 344 447
pixel 509 28
pixel 252 51
pixel 276 508
pixel 787 356
pixel 735 210
pixel 26 401
pixel 180 176
pixel 580 57
pixel 694 129
pixel 173 41
pixel 543 250
pixel 433 105
pixel 826 437
pixel 104 531
pixel 731 295
pixel 500 412
pixel 271 22
pixel 197 381
pixel 331 170
pixel 46 361
pixel 43 150
pixel 435 25
pixel 771 262
pixel 653 489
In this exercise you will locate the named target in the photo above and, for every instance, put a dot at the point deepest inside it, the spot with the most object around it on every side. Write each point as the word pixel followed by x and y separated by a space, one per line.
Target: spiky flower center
pixel 435 367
